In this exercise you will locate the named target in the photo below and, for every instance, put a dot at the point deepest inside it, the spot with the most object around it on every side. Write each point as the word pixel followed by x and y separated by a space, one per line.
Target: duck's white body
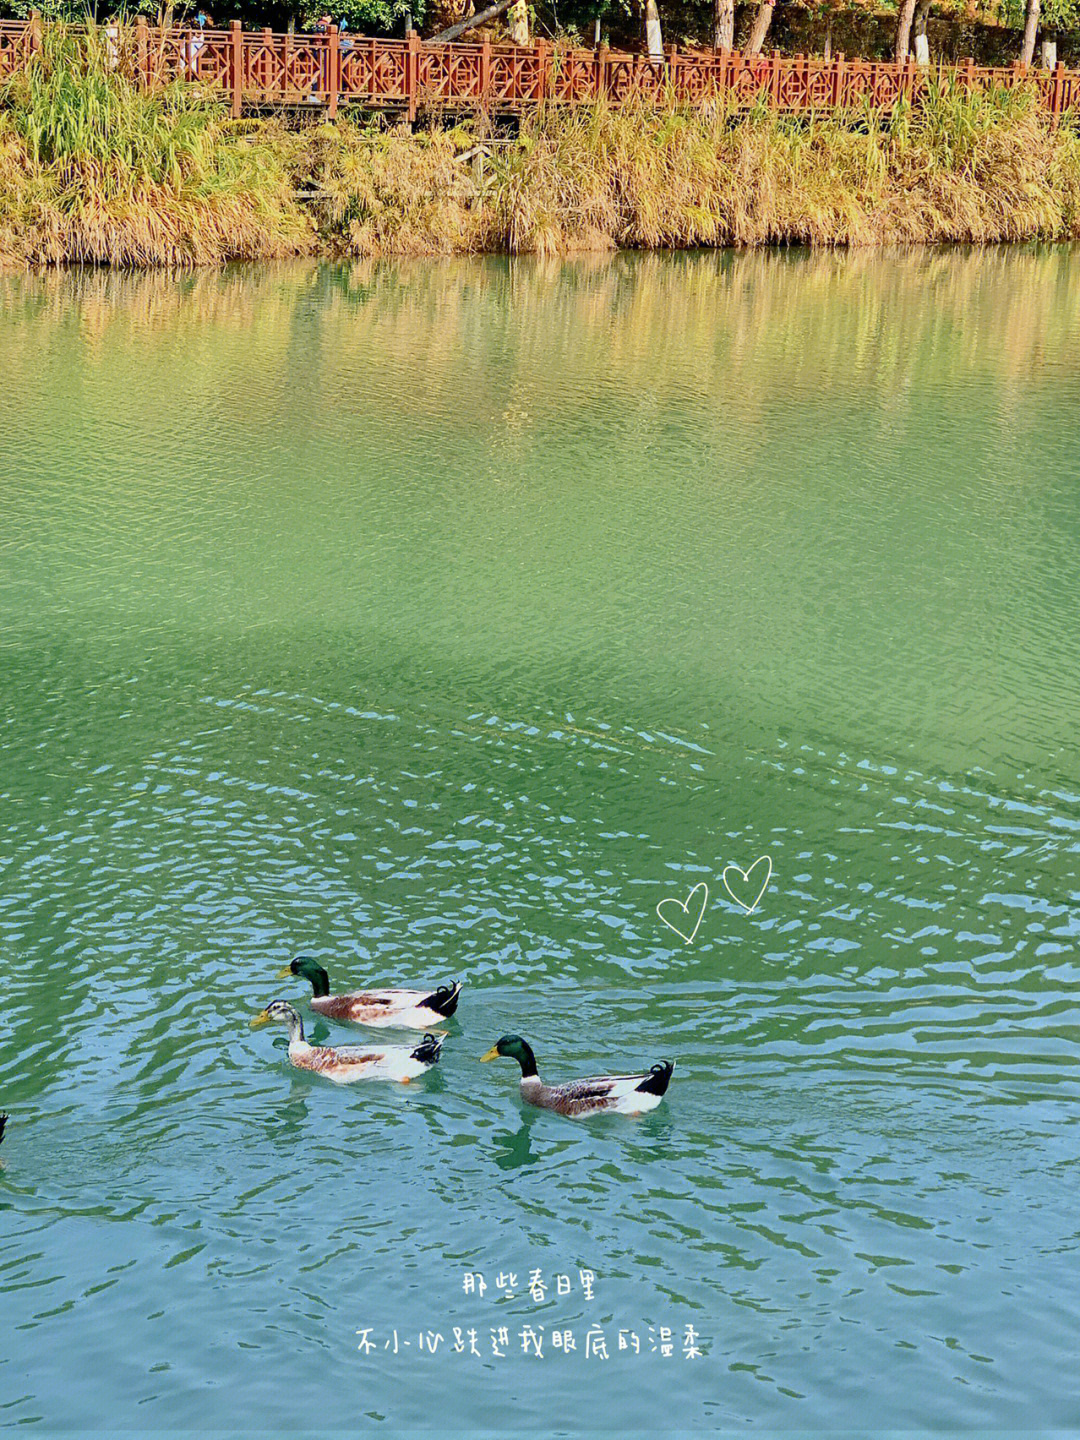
pixel 382 1009
pixel 346 1064
pixel 602 1094
pixel 597 1095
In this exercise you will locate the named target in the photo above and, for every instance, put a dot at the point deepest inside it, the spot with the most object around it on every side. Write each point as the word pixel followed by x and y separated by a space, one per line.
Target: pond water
pixel 439 620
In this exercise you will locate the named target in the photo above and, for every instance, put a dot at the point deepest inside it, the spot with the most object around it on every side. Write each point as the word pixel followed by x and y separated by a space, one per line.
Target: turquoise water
pixel 439 620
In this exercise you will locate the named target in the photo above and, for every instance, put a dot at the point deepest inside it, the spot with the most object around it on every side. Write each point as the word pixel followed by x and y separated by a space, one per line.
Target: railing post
pixel 142 52
pixel 34 33
pixel 1058 92
pixel 237 36
pixel 774 78
pixel 259 69
pixel 838 81
pixel 543 56
pixel 969 74
pixel 412 67
pixel 485 70
pixel 601 72
pixel 333 80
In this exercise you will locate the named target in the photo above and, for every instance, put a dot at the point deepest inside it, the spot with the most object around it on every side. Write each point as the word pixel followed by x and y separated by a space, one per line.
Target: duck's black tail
pixel 427 1052
pixel 658 1078
pixel 3 1123
pixel 444 1001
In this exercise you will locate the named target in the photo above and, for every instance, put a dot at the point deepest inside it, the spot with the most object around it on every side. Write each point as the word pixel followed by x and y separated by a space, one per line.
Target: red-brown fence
pixel 256 69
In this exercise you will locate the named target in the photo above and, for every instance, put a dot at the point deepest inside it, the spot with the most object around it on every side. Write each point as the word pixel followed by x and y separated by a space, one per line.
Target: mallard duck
pixel 620 1094
pixel 345 1064
pixel 3 1127
pixel 408 1009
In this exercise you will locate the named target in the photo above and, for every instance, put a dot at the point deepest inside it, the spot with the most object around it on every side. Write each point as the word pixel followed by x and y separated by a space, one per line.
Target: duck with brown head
pixel 345 1064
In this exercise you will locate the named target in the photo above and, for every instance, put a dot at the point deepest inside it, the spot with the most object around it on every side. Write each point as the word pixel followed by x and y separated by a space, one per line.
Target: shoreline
pixel 94 170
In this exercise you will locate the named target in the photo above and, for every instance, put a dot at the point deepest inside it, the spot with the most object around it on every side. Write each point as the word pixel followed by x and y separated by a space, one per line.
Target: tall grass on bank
pixel 95 169
pixel 975 168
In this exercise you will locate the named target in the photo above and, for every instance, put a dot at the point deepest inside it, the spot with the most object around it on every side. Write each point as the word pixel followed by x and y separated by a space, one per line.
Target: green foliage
pixel 574 19
pixel 77 12
pixel 1054 14
pixel 367 17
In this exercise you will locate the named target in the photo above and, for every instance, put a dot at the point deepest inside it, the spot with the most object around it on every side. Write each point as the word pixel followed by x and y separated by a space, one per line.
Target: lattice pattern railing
pixel 254 69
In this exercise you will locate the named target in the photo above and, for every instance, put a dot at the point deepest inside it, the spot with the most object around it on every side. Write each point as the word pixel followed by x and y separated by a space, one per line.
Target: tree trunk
pixel 922 40
pixel 828 41
pixel 1031 29
pixel 653 38
pixel 519 23
pixel 723 24
pixel 444 36
pixel 1049 51
pixel 762 21
pixel 903 30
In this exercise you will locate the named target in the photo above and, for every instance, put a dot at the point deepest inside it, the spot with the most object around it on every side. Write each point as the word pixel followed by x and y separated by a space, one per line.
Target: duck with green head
pixel 405 1009
pixel 345 1064
pixel 615 1094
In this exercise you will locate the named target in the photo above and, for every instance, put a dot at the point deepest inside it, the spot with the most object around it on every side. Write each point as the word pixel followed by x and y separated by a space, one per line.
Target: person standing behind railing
pixel 195 44
pixel 321 27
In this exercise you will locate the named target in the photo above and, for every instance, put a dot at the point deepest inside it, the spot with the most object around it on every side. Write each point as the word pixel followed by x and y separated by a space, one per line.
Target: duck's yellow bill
pixel 262 1018
pixel 285 974
pixel 492 1054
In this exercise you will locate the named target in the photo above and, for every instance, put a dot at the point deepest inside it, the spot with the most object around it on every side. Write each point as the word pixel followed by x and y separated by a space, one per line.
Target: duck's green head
pixel 308 968
pixel 513 1047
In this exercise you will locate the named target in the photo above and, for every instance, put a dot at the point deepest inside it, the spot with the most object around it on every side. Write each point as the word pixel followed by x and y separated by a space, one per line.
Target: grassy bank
pixel 94 170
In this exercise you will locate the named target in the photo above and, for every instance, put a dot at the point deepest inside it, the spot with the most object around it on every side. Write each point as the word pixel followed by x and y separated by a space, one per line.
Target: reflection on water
pixel 515 1149
pixel 438 620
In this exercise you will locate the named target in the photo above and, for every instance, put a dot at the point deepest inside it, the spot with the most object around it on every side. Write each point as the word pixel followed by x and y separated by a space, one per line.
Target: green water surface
pixel 439 620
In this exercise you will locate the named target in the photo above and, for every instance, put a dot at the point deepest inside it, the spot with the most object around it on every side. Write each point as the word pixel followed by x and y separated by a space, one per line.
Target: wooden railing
pixel 258 69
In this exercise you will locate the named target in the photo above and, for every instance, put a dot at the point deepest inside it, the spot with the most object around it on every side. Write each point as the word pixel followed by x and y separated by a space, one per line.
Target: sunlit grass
pixel 93 168
pixel 976 168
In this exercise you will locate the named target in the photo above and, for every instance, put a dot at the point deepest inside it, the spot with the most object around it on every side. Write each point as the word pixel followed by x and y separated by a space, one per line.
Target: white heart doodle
pixel 761 860
pixel 670 900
